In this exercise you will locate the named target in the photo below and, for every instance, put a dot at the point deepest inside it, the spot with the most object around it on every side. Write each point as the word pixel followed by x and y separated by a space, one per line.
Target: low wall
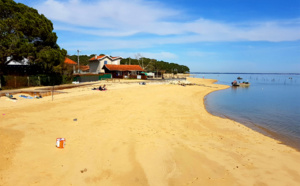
pixel 91 77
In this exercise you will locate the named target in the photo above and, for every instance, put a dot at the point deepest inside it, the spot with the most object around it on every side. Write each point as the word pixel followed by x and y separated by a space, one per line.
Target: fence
pixel 91 77
pixel 12 82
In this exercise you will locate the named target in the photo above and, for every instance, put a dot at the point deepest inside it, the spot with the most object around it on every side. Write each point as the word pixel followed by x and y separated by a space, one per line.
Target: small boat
pixel 245 84
pixel 239 78
pixel 236 84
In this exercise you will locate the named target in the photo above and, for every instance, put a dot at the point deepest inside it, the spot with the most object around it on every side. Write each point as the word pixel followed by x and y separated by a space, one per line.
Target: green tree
pixel 83 59
pixel 154 65
pixel 24 33
pixel 51 60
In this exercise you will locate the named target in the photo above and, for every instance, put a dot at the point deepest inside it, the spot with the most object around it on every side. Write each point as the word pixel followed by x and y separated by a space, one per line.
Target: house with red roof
pixel 125 71
pixel 84 68
pixel 70 65
pixel 96 63
pixel 69 61
pixel 74 65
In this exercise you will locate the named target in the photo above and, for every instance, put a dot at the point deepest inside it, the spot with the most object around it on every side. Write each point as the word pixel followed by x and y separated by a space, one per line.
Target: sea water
pixel 271 104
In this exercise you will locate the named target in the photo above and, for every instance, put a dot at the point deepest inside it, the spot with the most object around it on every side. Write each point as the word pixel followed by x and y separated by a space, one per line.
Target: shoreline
pixel 258 128
pixel 154 134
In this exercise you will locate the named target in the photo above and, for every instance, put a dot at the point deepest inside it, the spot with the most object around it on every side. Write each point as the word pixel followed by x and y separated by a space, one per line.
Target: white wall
pixel 116 62
pixel 101 62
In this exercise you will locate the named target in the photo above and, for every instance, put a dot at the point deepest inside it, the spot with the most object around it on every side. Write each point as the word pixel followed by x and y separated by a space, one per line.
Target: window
pixel 105 62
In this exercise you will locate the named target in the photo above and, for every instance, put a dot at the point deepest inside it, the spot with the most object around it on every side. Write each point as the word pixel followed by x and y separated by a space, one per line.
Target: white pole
pixel 78 60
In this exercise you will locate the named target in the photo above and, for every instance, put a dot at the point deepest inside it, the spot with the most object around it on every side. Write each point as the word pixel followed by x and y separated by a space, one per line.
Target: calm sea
pixel 271 104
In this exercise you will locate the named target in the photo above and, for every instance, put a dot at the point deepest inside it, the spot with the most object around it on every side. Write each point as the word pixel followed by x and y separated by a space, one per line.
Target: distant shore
pixel 132 134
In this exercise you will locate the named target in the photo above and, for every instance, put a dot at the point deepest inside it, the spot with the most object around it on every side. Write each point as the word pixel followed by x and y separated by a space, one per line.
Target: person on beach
pixel 102 88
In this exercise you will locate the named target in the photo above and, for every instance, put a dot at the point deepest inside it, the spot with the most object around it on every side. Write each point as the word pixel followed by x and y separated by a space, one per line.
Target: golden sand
pixel 154 134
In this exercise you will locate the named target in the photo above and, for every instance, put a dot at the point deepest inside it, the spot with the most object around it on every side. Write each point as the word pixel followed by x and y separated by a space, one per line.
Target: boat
pixel 243 84
pixel 239 78
pixel 235 83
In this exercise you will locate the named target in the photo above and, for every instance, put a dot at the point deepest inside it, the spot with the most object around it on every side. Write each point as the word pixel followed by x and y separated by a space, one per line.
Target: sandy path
pixel 136 135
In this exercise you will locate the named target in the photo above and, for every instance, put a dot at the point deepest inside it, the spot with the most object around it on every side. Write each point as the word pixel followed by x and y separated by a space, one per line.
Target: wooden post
pixel 28 80
pixel 52 91
pixel 15 82
pixel 39 80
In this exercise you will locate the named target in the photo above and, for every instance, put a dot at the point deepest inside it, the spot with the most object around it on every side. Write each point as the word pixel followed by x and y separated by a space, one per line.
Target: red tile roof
pixel 103 56
pixel 97 57
pixel 84 68
pixel 124 67
pixel 69 61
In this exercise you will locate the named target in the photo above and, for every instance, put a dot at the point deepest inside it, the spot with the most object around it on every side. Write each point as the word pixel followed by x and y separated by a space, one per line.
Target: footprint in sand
pixel 84 170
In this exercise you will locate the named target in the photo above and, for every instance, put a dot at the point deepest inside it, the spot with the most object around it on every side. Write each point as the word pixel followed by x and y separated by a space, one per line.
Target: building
pixel 69 61
pixel 70 65
pixel 17 67
pixel 84 68
pixel 96 63
pixel 24 61
pixel 125 71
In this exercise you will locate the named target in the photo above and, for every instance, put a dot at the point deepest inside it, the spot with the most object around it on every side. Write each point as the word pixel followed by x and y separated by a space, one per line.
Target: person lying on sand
pixel 102 88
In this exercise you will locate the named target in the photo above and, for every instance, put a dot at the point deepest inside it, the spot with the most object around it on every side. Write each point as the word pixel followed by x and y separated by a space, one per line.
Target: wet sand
pixel 154 134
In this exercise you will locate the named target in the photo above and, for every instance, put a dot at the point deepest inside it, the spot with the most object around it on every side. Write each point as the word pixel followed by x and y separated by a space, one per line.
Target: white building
pixel 24 61
pixel 96 63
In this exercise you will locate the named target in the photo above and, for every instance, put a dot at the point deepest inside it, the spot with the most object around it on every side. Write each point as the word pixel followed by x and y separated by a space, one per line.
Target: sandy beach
pixel 154 134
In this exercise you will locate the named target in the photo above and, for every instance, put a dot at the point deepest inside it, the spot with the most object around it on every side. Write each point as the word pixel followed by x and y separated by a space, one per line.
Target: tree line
pixel 148 64
pixel 153 65
pixel 83 59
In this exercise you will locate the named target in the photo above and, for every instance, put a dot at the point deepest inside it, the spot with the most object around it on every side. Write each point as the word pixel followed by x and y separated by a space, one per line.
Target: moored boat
pixel 243 84
pixel 235 83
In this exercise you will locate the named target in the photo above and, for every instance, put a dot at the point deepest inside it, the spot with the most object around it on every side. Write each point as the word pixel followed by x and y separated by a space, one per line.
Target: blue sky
pixel 205 35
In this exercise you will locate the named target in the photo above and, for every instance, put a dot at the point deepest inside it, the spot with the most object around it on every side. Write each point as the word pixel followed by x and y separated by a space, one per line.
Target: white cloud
pixel 165 56
pixel 118 18
pixel 105 13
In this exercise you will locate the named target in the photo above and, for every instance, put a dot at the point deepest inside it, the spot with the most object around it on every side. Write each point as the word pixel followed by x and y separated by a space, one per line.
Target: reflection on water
pixel 271 103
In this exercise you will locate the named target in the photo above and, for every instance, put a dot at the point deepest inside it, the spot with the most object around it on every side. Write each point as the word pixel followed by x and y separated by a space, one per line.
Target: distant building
pixel 70 64
pixel 96 63
pixel 84 68
pixel 125 71
pixel 69 61
pixel 24 61
pixel 74 65
pixel 17 67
